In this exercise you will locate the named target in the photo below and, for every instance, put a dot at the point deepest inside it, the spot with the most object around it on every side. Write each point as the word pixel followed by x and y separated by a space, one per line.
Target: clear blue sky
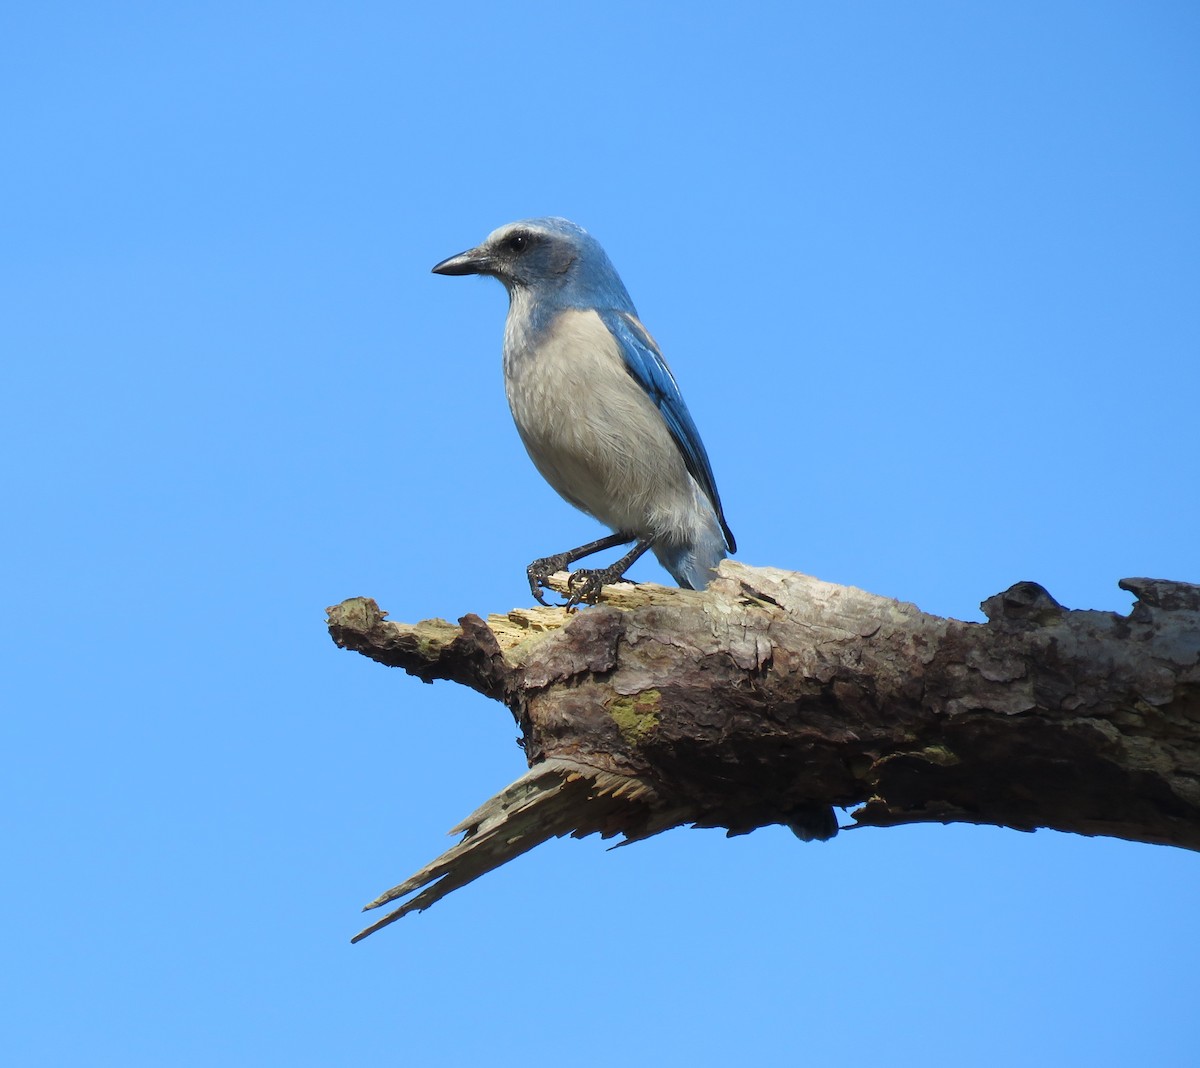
pixel 928 275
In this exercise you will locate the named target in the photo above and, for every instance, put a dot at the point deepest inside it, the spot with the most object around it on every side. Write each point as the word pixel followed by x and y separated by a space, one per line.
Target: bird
pixel 598 409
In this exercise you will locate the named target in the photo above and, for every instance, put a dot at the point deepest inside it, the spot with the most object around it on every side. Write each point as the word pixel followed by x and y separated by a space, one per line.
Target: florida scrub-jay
pixel 597 407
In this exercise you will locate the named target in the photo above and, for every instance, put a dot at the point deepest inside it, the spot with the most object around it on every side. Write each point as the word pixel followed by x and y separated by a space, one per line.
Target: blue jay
pixel 597 407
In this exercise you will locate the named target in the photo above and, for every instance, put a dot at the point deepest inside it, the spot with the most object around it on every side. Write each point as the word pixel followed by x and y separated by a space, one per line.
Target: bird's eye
pixel 517 242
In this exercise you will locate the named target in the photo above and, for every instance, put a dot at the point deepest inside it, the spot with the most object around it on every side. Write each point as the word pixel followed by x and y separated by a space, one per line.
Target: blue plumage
pixel 597 407
pixel 646 364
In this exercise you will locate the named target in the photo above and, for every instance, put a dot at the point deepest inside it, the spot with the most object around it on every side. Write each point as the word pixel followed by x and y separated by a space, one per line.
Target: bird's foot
pixel 539 573
pixel 585 585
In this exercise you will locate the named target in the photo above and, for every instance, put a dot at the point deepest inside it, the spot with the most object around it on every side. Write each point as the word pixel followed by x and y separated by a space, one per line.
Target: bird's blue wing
pixel 648 368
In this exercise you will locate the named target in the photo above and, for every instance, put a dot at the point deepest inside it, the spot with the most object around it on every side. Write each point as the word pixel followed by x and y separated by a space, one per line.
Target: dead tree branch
pixel 771 697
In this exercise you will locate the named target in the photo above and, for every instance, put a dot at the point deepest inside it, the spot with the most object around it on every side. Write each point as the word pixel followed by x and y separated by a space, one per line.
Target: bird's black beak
pixel 473 261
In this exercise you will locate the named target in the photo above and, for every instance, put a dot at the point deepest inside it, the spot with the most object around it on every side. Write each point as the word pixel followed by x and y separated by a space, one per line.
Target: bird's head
pixel 550 257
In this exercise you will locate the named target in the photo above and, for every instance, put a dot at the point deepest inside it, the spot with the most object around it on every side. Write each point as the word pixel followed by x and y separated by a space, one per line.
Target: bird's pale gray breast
pixel 592 431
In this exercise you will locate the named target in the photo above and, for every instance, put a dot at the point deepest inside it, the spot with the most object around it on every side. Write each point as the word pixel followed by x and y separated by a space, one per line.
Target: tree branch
pixel 771 696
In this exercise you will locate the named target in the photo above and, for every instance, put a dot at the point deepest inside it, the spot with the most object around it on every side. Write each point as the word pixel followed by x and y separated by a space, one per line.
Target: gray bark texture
pixel 772 697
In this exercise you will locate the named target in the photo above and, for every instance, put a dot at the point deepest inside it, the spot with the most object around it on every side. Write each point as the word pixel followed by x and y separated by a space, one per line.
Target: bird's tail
pixel 693 563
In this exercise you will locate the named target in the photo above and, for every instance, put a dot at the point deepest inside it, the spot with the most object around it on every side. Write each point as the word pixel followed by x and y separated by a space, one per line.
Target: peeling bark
pixel 771 696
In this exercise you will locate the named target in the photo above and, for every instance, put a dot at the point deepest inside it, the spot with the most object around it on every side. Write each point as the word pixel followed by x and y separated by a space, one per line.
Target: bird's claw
pixel 585 585
pixel 539 573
